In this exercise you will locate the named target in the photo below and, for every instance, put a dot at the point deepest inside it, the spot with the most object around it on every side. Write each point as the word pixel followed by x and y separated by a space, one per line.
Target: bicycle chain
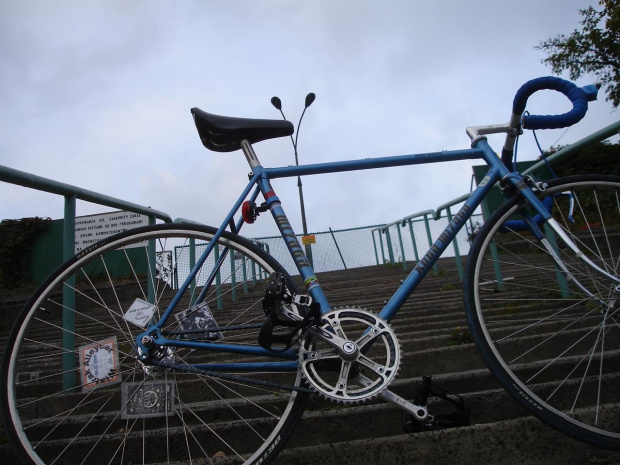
pixel 226 376
pixel 217 329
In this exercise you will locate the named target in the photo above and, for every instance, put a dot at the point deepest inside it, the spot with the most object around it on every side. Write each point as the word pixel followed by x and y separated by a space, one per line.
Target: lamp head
pixel 276 102
pixel 309 99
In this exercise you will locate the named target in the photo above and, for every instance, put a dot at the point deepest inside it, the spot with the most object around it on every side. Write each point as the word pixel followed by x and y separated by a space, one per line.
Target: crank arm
pixel 419 412
pixel 346 349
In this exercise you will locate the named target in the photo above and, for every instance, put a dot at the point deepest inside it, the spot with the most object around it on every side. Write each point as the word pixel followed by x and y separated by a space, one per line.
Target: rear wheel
pixel 74 391
pixel 555 348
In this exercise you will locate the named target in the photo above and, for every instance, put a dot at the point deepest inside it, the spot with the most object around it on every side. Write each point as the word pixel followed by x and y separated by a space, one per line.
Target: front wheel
pixel 73 388
pixel 553 344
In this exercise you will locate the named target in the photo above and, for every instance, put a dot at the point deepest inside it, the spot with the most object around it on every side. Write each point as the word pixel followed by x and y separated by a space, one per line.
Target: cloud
pixel 98 95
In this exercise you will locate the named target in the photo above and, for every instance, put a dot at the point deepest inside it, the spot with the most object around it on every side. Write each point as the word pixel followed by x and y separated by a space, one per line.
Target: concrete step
pixel 432 332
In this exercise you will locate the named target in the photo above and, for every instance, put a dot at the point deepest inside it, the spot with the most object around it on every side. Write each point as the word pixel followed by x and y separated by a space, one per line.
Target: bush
pixel 16 239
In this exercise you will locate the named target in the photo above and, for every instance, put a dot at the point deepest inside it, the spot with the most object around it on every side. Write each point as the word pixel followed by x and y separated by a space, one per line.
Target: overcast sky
pixel 98 94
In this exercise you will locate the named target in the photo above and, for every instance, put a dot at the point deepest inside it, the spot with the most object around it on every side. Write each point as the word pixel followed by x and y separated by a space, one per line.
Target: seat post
pixel 249 153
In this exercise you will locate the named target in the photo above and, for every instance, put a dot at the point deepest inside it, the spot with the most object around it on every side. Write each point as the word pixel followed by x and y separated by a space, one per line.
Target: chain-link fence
pixel 373 245
pixel 399 242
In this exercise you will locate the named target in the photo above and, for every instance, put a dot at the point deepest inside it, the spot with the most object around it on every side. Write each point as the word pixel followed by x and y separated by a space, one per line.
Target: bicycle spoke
pixel 163 409
pixel 553 332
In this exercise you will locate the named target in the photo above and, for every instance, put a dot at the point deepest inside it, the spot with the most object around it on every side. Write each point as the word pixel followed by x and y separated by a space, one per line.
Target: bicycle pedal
pixel 438 422
pixel 459 416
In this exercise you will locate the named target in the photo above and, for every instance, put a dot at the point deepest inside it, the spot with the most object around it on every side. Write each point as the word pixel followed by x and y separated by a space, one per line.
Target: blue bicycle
pixel 134 351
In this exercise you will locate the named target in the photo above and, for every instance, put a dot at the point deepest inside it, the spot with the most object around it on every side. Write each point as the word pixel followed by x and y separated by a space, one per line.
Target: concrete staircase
pixel 433 334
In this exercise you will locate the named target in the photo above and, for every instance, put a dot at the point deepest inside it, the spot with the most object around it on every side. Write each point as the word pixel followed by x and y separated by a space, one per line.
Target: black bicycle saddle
pixel 224 133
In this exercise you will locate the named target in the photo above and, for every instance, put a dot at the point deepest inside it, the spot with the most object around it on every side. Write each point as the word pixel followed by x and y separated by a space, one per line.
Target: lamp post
pixel 277 103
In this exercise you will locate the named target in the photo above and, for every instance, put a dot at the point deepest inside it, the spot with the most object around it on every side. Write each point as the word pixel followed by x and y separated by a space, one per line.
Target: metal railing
pixel 435 215
pixel 71 194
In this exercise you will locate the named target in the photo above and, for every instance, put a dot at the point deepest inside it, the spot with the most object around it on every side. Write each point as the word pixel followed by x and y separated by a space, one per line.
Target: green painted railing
pixel 71 195
pixel 605 133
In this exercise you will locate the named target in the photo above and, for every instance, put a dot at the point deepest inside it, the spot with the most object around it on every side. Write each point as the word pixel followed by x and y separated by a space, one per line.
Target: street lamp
pixel 277 103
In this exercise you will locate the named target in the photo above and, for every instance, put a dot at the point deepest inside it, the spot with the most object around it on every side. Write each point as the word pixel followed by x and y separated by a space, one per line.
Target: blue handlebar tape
pixel 575 94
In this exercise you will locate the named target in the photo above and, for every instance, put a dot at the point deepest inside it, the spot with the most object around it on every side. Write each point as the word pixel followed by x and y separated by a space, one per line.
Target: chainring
pixel 352 379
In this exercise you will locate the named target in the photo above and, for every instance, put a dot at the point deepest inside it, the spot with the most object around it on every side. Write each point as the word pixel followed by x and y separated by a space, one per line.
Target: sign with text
pixel 92 228
pixel 99 364
pixel 307 240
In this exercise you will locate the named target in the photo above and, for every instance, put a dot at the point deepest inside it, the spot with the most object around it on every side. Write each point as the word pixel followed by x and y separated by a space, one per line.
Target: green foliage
pixel 460 336
pixel 599 158
pixel 594 49
pixel 447 287
pixel 16 239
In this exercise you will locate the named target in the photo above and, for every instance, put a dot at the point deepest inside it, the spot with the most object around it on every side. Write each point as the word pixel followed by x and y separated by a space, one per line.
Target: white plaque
pixel 99 364
pixel 92 228
pixel 147 399
pixel 140 313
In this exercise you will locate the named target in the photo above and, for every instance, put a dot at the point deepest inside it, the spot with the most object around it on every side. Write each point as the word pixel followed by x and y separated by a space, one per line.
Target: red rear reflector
pixel 247 212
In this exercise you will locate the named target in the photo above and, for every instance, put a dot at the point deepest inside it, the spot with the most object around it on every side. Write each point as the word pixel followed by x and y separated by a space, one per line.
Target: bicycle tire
pixel 549 344
pixel 149 414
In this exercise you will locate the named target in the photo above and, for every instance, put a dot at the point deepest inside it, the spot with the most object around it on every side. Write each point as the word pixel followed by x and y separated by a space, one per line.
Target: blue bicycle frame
pixel 260 181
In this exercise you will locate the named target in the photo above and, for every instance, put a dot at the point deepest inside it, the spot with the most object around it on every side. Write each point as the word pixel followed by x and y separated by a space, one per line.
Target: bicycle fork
pixel 568 275
pixel 517 182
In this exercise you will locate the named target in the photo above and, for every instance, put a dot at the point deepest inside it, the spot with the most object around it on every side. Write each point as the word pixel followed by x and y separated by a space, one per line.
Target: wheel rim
pixel 553 346
pixel 149 413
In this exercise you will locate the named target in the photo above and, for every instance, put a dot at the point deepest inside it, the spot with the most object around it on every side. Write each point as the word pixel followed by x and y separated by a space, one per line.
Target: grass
pixel 460 336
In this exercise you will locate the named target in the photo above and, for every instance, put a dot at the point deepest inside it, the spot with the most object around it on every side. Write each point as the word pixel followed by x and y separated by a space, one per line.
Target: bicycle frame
pixel 260 178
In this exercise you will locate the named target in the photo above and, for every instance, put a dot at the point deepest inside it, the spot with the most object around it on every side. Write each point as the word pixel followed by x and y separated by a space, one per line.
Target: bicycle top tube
pixel 373 163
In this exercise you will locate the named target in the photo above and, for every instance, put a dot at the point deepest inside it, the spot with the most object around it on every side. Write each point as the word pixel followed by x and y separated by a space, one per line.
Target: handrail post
pixel 388 239
pixel 192 263
pixel 413 241
pixel 374 244
pixel 218 278
pixel 152 265
pixel 68 298
pixel 430 241
pixel 382 248
pixel 402 248
pixel 457 255
pixel 245 274
pixel 233 274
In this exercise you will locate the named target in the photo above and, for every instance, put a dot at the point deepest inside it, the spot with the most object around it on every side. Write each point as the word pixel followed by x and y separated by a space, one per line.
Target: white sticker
pixel 140 313
pixel 99 364
pixel 198 323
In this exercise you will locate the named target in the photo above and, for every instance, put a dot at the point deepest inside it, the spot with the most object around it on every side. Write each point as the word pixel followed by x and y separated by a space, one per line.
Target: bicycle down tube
pixel 262 176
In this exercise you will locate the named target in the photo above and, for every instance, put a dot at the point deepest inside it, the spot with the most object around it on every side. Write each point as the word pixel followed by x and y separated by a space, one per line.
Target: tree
pixel 16 239
pixel 595 49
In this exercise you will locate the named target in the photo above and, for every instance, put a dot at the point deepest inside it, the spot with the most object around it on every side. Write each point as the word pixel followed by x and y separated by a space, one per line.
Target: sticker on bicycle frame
pixel 140 313
pixel 99 364
pixel 311 282
pixel 147 400
pixel 485 180
pixel 198 323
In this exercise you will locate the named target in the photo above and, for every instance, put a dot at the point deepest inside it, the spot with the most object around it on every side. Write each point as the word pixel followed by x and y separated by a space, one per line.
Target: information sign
pixel 92 228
